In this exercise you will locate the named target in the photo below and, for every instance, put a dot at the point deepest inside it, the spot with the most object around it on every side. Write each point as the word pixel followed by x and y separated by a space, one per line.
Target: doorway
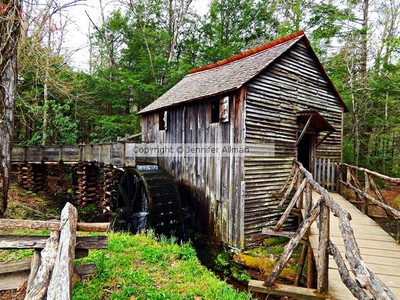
pixel 306 151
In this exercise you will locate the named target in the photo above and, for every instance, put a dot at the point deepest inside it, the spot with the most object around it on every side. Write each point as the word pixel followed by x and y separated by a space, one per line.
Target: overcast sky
pixel 77 41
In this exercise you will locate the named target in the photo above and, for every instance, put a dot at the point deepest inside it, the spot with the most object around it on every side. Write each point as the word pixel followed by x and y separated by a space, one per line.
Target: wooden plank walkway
pixel 378 250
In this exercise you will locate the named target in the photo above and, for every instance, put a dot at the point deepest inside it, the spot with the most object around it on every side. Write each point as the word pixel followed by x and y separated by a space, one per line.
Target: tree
pixel 46 82
pixel 10 20
pixel 232 26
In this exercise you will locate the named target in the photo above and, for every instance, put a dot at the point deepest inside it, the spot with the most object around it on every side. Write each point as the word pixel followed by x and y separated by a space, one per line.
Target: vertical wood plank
pixel 328 174
pixel 60 285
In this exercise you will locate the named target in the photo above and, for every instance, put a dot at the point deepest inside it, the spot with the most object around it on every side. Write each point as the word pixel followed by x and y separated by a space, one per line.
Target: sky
pixel 77 42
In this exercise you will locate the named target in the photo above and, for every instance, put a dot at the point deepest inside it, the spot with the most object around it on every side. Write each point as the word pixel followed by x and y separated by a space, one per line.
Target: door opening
pixel 306 151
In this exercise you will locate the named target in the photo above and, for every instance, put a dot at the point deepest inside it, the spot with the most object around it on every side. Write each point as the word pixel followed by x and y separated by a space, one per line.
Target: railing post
pixel 348 174
pixel 366 190
pixel 300 201
pixel 308 199
pixel 323 254
pixel 398 232
pixel 339 186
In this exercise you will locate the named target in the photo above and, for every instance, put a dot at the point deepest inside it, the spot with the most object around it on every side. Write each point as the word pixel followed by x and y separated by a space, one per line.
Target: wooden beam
pixel 302 262
pixel 51 225
pixel 304 131
pixel 323 255
pixel 40 280
pixel 294 292
pixel 286 234
pixel 394 212
pixel 324 138
pixel 14 274
pixel 39 242
pixel 381 176
pixel 11 267
pixel 350 283
pixel 291 205
pixel 12 281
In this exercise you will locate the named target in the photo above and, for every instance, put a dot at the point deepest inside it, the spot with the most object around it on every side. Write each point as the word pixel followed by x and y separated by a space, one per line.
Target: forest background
pixel 143 47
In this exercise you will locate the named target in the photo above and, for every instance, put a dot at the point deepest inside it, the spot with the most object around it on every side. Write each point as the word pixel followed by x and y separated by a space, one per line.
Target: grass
pixel 143 267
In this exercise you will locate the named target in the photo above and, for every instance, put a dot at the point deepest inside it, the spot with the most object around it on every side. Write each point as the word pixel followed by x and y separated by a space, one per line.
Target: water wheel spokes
pixel 150 198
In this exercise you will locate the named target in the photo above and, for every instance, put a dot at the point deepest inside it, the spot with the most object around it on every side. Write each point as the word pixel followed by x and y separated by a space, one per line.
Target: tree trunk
pixel 7 83
pixel 9 33
pixel 364 127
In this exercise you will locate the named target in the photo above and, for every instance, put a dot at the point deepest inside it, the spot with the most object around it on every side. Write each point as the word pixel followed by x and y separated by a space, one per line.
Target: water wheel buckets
pixel 149 198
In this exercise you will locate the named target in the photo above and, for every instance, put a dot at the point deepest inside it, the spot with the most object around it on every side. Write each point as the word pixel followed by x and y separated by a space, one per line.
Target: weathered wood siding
pixel 293 83
pixel 215 182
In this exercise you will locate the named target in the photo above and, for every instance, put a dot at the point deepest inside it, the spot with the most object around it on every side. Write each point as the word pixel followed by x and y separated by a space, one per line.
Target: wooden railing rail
pixel 366 283
pixel 365 191
pixel 118 154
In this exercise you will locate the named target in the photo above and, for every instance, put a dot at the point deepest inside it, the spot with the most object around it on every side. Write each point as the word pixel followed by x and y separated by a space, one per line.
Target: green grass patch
pixel 144 267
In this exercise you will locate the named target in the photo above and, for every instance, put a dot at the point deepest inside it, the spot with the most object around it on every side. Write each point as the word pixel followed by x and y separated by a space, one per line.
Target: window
pixel 162 120
pixel 220 110
pixel 215 111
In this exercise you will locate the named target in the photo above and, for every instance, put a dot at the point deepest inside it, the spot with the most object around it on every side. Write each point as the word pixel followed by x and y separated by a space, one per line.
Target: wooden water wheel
pixel 149 198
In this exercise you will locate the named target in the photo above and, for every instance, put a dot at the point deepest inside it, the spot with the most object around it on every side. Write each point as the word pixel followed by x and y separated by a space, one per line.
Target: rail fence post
pixel 323 253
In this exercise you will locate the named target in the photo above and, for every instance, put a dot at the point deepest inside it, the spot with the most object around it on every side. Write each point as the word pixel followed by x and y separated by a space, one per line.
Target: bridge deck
pixel 378 250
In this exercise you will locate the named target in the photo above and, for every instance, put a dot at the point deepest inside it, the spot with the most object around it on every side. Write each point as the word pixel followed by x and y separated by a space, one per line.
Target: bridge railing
pixel 367 191
pixel 366 283
pixel 117 154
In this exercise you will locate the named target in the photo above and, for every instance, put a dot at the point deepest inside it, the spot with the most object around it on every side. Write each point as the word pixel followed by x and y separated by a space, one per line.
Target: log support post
pixel 88 189
pixel 307 199
pixel 323 250
pixel 303 257
pixel 112 177
pixel 311 269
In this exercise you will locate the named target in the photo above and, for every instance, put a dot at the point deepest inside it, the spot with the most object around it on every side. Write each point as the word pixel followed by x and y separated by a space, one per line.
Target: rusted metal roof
pixel 229 74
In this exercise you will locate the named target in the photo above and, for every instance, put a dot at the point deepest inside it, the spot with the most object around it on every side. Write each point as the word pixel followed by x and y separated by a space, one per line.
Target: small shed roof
pixel 229 74
pixel 317 121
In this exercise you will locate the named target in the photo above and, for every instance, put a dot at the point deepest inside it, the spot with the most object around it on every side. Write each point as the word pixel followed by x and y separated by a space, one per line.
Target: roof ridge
pixel 249 52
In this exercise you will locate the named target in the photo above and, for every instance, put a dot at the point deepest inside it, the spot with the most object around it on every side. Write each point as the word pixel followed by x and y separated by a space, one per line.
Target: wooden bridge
pixel 118 154
pixel 353 257
pixel 378 249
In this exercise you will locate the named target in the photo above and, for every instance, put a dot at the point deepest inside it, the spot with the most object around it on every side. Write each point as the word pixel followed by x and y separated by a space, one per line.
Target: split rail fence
pixel 48 273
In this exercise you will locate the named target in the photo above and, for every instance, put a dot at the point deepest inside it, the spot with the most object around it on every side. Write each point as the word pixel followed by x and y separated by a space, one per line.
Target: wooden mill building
pixel 277 94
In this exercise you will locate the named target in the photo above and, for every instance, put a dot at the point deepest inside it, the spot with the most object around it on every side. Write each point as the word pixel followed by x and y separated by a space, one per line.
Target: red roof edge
pixel 249 52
